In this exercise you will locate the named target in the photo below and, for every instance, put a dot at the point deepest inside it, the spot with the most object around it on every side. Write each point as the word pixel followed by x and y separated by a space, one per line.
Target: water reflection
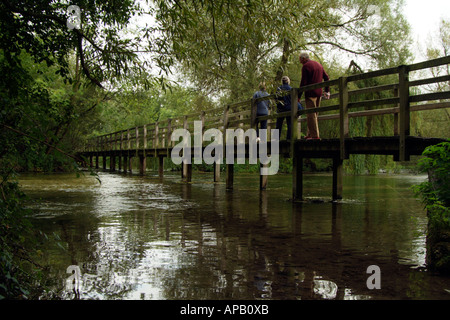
pixel 142 238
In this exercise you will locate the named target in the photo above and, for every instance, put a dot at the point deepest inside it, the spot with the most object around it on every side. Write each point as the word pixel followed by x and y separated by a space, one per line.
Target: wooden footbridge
pixel 398 102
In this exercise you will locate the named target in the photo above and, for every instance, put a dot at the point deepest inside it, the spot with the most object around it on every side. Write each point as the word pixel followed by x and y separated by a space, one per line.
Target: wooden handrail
pixel 243 113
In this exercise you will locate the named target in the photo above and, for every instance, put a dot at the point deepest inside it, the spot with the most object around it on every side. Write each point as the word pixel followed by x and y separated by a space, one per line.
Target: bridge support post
pixel 104 161
pixel 230 176
pixel 189 172
pixel 263 179
pixel 125 163
pixel 142 164
pixel 297 177
pixel 216 172
pixel 96 162
pixel 161 167
pixel 337 178
pixel 112 163
pixel 130 164
pixel 186 172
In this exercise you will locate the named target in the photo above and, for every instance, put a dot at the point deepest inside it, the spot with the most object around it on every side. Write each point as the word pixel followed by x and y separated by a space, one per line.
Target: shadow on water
pixel 145 238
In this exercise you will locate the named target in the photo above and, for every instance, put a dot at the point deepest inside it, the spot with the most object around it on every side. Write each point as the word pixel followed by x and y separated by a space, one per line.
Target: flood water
pixel 136 237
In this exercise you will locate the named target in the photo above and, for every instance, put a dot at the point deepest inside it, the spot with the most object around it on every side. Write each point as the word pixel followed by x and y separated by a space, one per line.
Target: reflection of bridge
pixel 305 258
pixel 154 140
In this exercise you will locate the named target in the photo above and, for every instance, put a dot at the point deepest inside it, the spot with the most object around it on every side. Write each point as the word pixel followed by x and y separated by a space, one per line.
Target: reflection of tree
pixel 231 247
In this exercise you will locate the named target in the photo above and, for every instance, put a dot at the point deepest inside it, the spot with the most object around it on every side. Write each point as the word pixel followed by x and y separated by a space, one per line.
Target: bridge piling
pixel 161 167
pixel 297 177
pixel 263 179
pixel 216 172
pixel 337 178
pixel 142 164
pixel 229 176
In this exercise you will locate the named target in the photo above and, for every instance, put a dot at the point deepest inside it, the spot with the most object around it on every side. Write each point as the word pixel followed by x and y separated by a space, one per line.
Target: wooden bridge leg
pixel 125 163
pixel 104 161
pixel 142 164
pixel 297 177
pixel 263 179
pixel 186 172
pixel 96 162
pixel 337 178
pixel 120 162
pixel 216 172
pixel 230 176
pixel 161 167
pixel 183 171
pixel 130 164
pixel 112 163
pixel 189 172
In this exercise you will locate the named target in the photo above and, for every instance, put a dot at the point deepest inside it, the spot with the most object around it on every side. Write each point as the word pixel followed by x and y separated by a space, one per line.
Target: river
pixel 142 237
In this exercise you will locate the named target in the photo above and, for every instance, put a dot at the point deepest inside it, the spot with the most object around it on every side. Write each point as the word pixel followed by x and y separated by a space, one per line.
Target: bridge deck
pixel 324 148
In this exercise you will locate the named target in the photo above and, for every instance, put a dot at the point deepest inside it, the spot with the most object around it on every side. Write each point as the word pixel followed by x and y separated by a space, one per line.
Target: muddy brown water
pixel 134 237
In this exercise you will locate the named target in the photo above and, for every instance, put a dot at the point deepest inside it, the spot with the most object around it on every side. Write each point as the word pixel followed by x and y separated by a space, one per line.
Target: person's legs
pixel 312 124
pixel 279 125
pixel 289 128
pixel 261 125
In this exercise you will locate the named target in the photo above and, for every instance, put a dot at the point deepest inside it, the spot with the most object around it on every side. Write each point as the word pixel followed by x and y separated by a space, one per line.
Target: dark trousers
pixel 261 124
pixel 280 125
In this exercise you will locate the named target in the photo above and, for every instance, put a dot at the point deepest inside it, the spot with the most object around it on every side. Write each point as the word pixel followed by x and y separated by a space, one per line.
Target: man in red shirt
pixel 313 72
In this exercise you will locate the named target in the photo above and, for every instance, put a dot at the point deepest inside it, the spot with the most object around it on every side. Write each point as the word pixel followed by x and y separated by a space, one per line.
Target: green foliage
pixel 435 194
pixel 40 29
pixel 436 191
pixel 40 111
pixel 227 47
pixel 14 230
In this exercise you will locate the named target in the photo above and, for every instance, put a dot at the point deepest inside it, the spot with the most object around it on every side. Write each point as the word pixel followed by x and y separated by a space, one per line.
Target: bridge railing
pixel 397 101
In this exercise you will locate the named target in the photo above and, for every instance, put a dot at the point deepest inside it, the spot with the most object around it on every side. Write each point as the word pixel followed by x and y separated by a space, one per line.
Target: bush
pixel 435 194
pixel 436 163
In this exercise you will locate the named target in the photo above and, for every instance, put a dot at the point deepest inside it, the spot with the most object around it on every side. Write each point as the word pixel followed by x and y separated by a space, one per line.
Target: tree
pixel 228 46
pixel 105 53
pixel 435 123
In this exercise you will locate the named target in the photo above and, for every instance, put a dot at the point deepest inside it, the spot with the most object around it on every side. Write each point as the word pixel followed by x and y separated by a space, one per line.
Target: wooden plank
pixel 373 89
pixel 372 74
pixel 372 103
pixel 429 81
pixel 430 96
pixel 429 63
pixel 430 106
